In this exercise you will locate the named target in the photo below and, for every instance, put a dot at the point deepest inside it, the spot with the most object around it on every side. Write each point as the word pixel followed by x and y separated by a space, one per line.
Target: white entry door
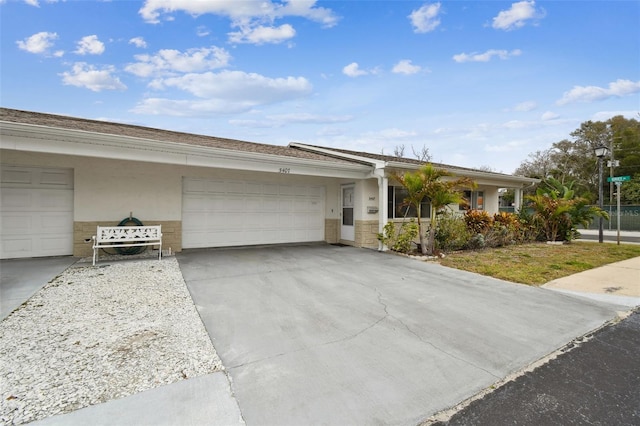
pixel 347 230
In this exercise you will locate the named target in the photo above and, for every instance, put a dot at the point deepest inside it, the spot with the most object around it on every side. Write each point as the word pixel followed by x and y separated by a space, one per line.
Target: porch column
pixel 517 199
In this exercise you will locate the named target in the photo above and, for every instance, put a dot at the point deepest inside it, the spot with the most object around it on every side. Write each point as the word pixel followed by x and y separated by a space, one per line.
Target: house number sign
pixel 285 170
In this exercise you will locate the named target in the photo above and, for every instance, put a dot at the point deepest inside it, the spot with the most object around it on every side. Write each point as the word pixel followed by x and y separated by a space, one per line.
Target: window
pixel 398 209
pixel 472 200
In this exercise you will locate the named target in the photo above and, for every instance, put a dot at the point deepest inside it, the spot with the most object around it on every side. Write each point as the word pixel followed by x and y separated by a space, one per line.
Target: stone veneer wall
pixel 331 230
pixel 171 235
pixel 366 233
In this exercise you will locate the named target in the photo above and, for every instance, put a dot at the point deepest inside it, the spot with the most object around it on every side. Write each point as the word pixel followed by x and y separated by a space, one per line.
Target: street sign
pixel 619 179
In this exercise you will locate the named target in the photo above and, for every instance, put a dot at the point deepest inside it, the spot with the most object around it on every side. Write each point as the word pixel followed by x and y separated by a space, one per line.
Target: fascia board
pixel 378 164
pixel 34 138
pixel 481 178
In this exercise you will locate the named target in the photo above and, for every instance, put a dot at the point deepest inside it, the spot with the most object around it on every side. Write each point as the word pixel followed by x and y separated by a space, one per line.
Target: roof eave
pixel 54 140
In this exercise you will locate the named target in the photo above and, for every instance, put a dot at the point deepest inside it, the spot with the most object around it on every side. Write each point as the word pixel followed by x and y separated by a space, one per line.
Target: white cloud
pixel 618 88
pixel 280 120
pixel 549 115
pixel 254 19
pixel 87 76
pixel 261 35
pixel 202 31
pixel 240 10
pixel 225 92
pixel 486 56
pixel 426 18
pixel 169 60
pixel 138 42
pixel 406 67
pixel 517 16
pixel 526 106
pixel 353 70
pixel 506 147
pixel 32 3
pixel 310 118
pixel 605 115
pixel 90 45
pixel 392 133
pixel 37 43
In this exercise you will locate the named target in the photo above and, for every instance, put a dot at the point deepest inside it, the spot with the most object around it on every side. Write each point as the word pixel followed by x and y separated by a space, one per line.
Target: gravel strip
pixel 98 333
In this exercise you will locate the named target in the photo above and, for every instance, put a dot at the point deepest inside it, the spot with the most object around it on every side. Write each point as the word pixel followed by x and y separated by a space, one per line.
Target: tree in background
pixel 573 160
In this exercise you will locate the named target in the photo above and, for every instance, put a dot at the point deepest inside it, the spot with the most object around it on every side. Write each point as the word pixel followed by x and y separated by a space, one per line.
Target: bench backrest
pixel 129 233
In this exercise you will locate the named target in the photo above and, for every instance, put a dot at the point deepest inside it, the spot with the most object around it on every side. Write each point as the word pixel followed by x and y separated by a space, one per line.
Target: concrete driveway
pixel 321 334
pixel 22 278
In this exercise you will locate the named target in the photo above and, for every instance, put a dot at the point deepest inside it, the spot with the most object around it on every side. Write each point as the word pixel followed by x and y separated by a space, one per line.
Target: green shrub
pixel 399 240
pixel 477 242
pixel 452 233
pixel 478 221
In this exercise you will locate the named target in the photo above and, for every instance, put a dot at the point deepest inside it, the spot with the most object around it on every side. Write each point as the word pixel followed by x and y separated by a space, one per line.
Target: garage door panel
pixel 270 189
pixel 285 190
pixel 16 224
pixel 11 175
pixel 55 200
pixel 53 243
pixel 216 186
pixel 249 212
pixel 52 178
pixel 16 200
pixel 36 211
pixel 235 187
pixel 53 223
pixel 18 246
pixel 195 186
pixel 270 204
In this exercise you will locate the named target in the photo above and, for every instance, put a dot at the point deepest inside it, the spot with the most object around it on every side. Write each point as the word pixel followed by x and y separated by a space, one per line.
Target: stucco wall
pixel 107 191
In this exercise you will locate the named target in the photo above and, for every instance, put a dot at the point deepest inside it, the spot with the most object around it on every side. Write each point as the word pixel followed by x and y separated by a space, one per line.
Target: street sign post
pixel 618 181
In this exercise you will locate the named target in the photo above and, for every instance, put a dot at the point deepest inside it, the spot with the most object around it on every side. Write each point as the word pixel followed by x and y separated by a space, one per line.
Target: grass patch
pixel 537 264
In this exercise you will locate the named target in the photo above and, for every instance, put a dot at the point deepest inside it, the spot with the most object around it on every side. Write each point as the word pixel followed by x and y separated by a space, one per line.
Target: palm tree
pixel 558 210
pixel 424 184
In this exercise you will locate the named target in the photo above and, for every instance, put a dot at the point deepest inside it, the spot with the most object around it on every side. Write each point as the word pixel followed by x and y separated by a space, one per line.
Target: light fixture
pixel 601 151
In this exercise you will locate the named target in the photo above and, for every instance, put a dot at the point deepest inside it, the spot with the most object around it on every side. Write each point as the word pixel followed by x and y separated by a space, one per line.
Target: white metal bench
pixel 127 236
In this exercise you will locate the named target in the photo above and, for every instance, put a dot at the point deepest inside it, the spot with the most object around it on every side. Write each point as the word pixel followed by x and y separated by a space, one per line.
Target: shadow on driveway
pixel 320 334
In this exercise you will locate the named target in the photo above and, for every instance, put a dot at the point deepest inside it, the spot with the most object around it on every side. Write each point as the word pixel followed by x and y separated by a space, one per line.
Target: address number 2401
pixel 285 170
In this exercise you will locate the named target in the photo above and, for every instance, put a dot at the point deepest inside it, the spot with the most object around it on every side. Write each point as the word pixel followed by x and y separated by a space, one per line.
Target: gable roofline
pixel 48 133
pixel 381 161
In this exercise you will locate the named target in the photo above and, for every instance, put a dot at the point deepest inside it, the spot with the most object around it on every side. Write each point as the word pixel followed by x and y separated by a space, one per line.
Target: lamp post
pixel 600 152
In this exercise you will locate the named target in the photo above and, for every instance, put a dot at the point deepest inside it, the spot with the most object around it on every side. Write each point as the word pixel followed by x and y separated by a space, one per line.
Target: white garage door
pixel 36 212
pixel 222 213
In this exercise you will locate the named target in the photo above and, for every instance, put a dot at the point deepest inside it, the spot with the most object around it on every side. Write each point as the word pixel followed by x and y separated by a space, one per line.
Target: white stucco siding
pixel 108 190
pixel 369 198
pixel 111 190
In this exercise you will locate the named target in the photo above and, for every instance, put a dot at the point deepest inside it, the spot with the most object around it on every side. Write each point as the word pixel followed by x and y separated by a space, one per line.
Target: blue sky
pixel 479 83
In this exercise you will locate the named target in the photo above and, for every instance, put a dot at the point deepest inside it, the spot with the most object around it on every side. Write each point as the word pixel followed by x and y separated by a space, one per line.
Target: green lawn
pixel 537 264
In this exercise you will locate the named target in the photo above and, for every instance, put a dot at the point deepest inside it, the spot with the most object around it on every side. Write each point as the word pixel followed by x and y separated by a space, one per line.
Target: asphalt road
pixel 597 382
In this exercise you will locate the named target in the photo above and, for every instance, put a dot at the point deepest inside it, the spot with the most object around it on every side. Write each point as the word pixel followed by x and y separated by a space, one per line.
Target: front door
pixel 347 231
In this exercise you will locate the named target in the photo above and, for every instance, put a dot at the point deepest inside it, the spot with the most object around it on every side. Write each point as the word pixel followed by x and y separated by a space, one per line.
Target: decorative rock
pixel 100 333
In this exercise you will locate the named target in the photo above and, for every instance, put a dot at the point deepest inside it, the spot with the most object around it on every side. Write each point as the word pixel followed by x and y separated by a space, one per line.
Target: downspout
pixel 383 204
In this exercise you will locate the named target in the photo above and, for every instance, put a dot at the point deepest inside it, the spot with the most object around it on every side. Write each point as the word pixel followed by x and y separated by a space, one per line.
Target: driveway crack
pixel 330 342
